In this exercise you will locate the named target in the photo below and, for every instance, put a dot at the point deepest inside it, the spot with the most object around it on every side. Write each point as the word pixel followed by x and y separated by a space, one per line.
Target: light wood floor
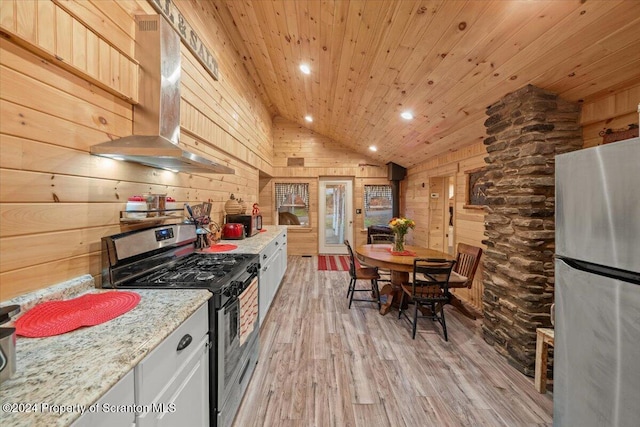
pixel 322 364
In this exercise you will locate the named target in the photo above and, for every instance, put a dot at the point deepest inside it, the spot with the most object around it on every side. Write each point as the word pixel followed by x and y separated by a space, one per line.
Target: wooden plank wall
pixel 61 32
pixel 56 200
pixel 468 223
pixel 323 157
pixel 615 111
pixel 436 213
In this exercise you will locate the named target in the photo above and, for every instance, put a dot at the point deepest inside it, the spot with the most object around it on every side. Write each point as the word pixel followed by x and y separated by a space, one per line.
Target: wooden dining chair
pixel 362 273
pixel 467 263
pixel 380 238
pixel 429 289
pixel 377 239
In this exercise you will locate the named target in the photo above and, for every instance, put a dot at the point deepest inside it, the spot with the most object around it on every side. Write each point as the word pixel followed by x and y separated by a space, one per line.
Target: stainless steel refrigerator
pixel 596 379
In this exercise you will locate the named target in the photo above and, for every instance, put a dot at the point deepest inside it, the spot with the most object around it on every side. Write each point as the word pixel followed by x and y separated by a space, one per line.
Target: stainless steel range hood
pixel 156 119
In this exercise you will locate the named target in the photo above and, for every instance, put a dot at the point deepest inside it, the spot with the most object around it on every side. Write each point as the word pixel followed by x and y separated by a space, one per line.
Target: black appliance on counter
pixel 252 223
pixel 165 258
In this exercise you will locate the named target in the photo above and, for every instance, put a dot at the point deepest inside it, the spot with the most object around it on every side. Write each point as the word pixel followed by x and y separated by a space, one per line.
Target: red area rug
pixel 333 262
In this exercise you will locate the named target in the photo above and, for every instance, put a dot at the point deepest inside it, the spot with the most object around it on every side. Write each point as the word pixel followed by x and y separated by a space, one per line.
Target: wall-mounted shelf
pixel 167 214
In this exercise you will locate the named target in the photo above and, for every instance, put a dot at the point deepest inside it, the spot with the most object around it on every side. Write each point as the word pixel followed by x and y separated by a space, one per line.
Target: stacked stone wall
pixel 525 129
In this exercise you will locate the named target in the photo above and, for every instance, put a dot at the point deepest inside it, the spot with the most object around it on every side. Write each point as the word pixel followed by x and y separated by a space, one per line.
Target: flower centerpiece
pixel 400 227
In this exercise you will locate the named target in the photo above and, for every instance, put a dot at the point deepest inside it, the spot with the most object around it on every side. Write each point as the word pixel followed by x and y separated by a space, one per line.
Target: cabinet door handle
pixel 184 342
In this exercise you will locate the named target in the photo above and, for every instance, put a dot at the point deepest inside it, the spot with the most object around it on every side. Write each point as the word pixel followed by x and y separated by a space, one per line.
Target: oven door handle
pixel 184 342
pixel 241 286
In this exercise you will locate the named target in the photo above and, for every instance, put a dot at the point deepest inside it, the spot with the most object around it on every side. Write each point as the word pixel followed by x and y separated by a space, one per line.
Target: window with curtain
pixel 378 205
pixel 292 203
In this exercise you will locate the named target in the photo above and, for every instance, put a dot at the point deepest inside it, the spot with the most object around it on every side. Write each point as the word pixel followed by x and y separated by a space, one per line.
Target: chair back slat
pixel 430 273
pixel 467 262
pixel 352 260
pixel 380 238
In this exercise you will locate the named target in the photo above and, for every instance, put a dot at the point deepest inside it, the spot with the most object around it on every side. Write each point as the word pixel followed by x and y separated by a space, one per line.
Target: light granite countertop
pixel 79 367
pixel 256 243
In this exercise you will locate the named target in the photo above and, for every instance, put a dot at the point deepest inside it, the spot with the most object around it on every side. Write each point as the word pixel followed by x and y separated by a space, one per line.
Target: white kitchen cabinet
pixel 273 264
pixel 115 408
pixel 172 382
pixel 282 261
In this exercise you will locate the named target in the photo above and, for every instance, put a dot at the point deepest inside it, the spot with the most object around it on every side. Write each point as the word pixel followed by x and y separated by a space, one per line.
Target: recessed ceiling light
pixel 407 115
pixel 305 68
pixel 308 118
pixel 373 148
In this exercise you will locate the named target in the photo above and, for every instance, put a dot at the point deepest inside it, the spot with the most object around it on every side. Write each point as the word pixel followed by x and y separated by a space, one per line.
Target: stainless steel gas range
pixel 165 258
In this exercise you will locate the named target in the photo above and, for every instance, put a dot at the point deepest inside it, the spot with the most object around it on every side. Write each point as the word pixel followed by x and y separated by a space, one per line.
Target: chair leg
pixel 444 324
pixel 400 307
pixel 415 319
pixel 352 288
pixel 349 288
pixel 376 291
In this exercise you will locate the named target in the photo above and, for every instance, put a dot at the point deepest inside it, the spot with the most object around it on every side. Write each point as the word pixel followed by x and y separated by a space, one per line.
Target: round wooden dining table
pixel 379 255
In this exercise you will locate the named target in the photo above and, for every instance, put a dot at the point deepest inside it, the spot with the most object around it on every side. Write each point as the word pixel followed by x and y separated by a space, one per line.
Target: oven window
pixel 232 350
pixel 232 332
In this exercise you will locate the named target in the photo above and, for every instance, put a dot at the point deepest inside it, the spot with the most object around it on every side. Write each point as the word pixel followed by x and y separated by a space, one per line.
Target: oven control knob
pixel 236 288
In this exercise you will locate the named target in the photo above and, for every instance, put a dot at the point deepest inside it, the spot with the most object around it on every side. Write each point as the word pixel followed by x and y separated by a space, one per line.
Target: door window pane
pixel 335 213
pixel 292 203
pixel 378 205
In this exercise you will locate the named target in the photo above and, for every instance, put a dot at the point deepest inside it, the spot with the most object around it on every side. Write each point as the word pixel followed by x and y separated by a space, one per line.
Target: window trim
pixel 366 206
pixel 301 227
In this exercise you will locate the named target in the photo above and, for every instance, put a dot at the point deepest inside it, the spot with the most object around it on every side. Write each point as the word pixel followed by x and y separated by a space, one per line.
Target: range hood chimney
pixel 156 119
pixel 395 173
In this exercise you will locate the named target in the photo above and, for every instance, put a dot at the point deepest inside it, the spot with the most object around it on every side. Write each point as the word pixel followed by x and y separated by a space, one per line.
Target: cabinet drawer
pixel 185 400
pixel 268 252
pixel 157 369
pixel 272 247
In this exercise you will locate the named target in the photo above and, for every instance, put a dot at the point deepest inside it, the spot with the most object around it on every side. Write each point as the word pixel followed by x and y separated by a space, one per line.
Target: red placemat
pixel 221 247
pixel 403 253
pixel 58 317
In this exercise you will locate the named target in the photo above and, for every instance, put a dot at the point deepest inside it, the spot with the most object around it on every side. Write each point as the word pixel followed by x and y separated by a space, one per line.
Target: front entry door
pixel 335 216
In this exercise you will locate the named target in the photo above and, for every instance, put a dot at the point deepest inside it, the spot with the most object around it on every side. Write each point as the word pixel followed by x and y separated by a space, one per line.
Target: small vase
pixel 398 243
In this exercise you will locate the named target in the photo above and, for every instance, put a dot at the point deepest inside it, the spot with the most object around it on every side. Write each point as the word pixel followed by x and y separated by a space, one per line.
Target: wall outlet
pixel 435 195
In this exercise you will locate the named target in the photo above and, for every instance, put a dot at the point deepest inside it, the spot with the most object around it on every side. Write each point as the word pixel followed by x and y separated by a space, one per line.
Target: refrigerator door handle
pixel 601 270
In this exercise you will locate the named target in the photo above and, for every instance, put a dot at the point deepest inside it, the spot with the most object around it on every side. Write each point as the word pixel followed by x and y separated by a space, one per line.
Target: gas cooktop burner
pixel 196 270
pixel 205 275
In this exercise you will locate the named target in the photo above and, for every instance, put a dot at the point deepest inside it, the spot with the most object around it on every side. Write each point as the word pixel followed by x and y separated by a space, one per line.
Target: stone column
pixel 525 129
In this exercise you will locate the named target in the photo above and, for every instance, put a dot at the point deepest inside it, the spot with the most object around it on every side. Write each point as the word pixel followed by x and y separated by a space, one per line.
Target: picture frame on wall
pixel 475 194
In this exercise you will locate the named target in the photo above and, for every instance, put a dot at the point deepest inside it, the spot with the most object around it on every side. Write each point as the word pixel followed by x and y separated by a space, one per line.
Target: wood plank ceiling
pixel 443 60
